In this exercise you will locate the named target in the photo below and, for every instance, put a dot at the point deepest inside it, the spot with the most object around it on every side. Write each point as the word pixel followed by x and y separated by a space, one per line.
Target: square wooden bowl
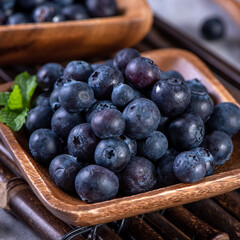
pixel 74 211
pixel 41 42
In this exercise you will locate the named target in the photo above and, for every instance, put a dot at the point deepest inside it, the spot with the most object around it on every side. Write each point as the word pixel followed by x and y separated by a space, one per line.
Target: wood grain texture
pixel 41 42
pixel 72 210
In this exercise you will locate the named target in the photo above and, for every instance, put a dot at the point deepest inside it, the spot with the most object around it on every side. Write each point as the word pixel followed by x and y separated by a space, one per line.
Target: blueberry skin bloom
pixel 142 72
pixel 139 176
pixel 188 167
pixel 201 104
pixel 124 56
pixel 62 122
pixel 122 94
pixel 76 96
pixel 112 153
pixel 172 96
pixel 172 74
pixel 63 170
pixel 48 74
pixel 103 80
pixel 98 107
pixel 154 146
pixel 82 142
pixel 108 123
pixel 78 71
pixel 219 145
pixel 186 131
pixel 142 118
pixel 207 157
pixel 96 184
pixel 102 8
pixel 226 118
pixel 195 85
pixel 165 169
pixel 39 117
pixel 44 145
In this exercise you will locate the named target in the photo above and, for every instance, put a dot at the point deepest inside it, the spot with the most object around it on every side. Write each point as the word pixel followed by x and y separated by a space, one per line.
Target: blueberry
pixel 75 12
pixel 220 145
pixel 64 3
pixel 196 85
pixel 2 17
pixel 142 118
pixel 63 122
pixel 186 131
pixel 172 96
pixel 163 125
pixel 124 56
pixel 109 62
pixel 103 80
pixel 42 100
pixel 188 167
pixel 17 18
pixel 208 158
pixel 27 5
pixel 226 118
pixel 201 104
pixel 108 123
pixel 47 12
pixel 154 146
pixel 172 74
pixel 63 170
pixel 7 5
pixel 165 169
pixel 142 72
pixel 54 102
pixel 60 82
pixel 39 117
pixel 78 71
pixel 44 145
pixel 122 94
pixel 97 107
pixel 139 176
pixel 48 74
pixel 112 153
pixel 82 142
pixel 76 96
pixel 96 184
pixel 95 66
pixel 102 8
pixel 132 144
pixel 213 29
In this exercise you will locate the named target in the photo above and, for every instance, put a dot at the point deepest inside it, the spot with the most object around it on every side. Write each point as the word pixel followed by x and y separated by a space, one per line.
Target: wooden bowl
pixel 41 42
pixel 74 211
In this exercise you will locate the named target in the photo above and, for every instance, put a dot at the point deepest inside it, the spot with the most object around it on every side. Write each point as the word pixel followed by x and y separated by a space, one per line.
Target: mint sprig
pixel 17 103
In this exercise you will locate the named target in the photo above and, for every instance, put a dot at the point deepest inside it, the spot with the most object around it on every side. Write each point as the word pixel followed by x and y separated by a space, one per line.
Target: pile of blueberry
pixel 126 125
pixel 25 11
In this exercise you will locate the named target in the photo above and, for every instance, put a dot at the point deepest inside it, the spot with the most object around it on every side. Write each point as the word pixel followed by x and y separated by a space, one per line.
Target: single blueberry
pixel 142 118
pixel 42 100
pixel 226 118
pixel 108 123
pixel 172 96
pixel 220 145
pixel 82 142
pixel 96 184
pixel 44 145
pixel 63 170
pixel 172 74
pixel 154 146
pixel 188 167
pixel 112 153
pixel 186 131
pixel 62 122
pixel 139 176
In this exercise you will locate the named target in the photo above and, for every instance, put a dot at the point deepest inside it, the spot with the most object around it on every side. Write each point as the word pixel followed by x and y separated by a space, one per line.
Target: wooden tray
pixel 41 42
pixel 72 210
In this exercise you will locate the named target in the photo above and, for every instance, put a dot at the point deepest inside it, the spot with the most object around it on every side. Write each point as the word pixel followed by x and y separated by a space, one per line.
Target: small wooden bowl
pixel 74 211
pixel 41 42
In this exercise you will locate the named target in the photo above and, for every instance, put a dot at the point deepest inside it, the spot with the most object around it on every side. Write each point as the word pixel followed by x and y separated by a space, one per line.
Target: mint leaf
pixel 27 85
pixel 15 101
pixel 4 96
pixel 13 119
